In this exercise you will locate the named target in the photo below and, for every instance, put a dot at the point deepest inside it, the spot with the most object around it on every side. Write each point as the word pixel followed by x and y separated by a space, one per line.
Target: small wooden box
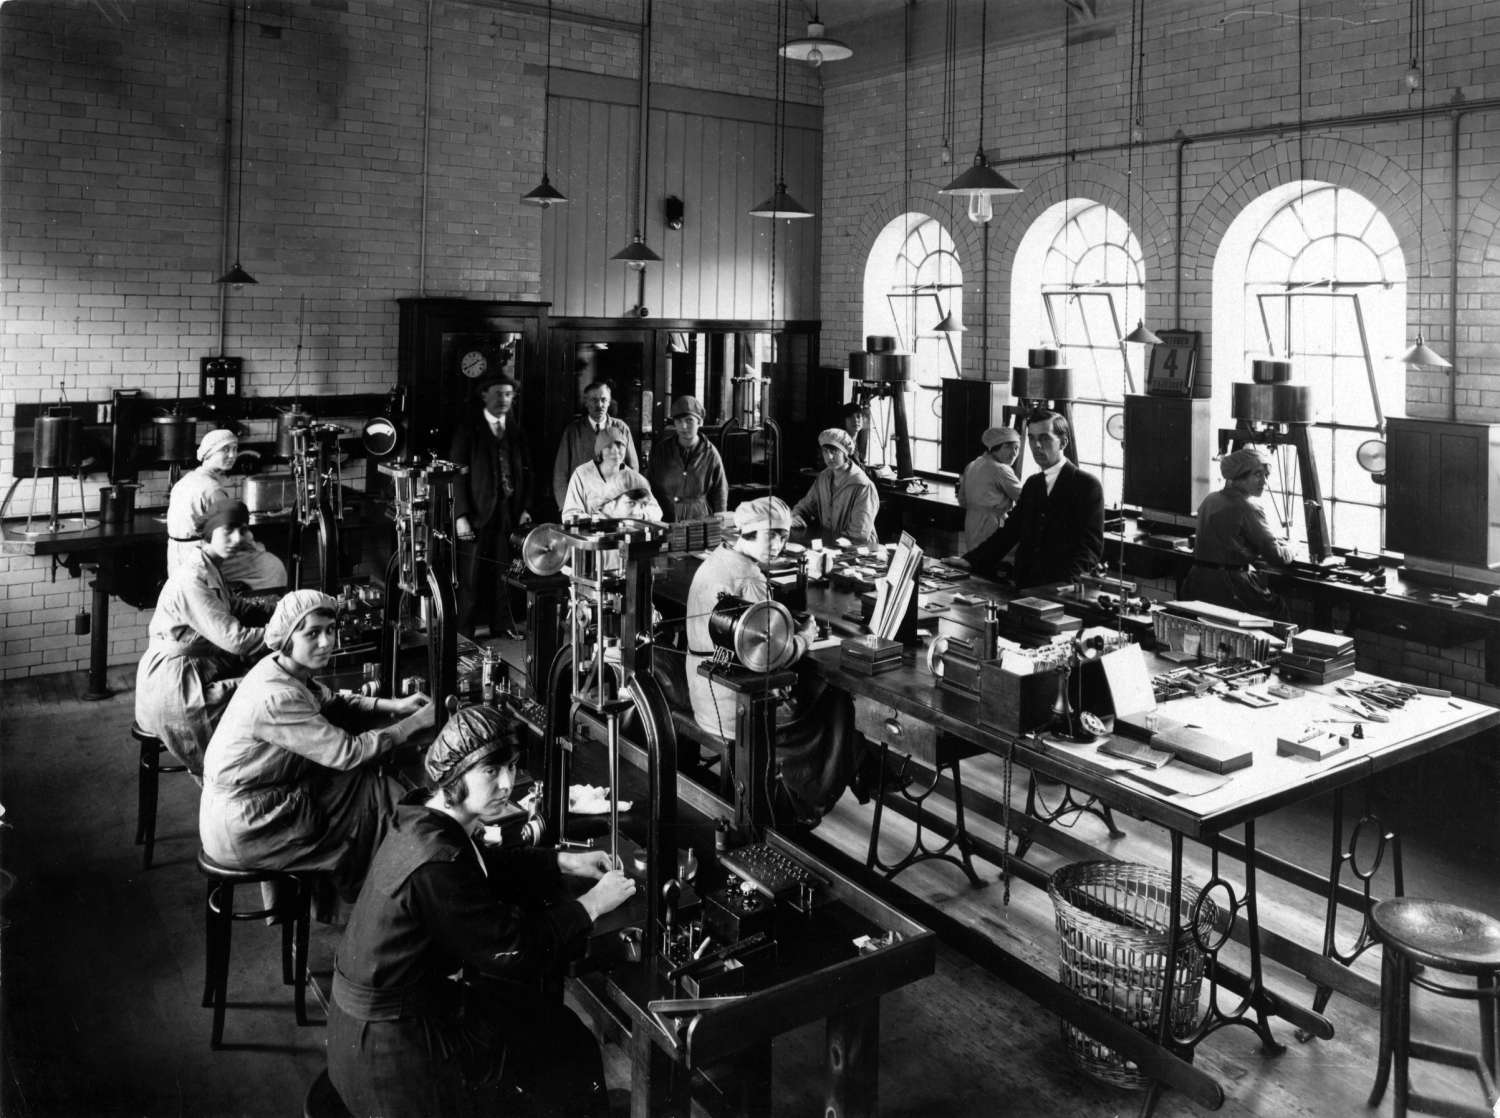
pixel 1014 704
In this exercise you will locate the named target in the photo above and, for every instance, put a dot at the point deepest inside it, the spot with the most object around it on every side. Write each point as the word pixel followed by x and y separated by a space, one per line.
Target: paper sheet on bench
pixel 1177 779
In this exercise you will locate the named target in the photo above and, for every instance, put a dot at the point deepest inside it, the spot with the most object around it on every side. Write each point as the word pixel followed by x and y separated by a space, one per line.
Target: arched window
pixel 1079 286
pixel 1313 273
pixel 912 280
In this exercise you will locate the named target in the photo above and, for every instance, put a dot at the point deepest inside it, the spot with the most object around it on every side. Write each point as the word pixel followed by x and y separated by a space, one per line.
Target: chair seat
pixel 1445 936
pixel 233 876
pixel 143 735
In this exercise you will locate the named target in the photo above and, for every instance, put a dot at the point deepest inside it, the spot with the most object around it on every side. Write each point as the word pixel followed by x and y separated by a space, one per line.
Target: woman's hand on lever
pixel 613 890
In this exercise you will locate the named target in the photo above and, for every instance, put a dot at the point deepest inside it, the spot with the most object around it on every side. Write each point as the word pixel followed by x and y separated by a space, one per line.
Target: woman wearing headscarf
pixel 842 501
pixel 686 470
pixel 286 783
pixel 988 487
pixel 202 640
pixel 818 751
pixel 1233 536
pixel 198 491
pixel 606 486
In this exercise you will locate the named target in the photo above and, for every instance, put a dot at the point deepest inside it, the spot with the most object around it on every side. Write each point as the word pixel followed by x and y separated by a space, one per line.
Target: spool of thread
pixel 1042 358
pixel 117 503
pixel 880 343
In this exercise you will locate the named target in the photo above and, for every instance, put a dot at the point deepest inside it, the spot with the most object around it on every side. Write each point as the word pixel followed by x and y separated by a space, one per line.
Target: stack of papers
pixel 894 589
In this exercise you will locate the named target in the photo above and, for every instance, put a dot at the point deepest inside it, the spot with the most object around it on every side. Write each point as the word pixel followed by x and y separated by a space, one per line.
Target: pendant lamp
pixel 546 195
pixel 236 275
pixel 815 48
pixel 981 183
pixel 1142 334
pixel 781 204
pixel 1421 355
pixel 636 255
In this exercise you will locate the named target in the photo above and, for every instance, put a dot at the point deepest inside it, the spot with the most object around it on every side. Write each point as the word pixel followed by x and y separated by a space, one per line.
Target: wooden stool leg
pixel 1489 992
pixel 299 965
pixel 1401 1026
pixel 1387 1012
pixel 223 921
pixel 145 813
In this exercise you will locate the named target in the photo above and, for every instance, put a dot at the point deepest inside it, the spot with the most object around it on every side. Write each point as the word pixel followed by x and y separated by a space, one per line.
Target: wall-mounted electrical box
pixel 220 376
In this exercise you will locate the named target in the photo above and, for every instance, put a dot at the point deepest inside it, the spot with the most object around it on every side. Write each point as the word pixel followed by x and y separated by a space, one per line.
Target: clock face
pixel 473 364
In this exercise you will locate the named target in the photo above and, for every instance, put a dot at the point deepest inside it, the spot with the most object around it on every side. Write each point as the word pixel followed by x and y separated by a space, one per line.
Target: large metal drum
pixel 57 440
pixel 286 422
pixel 1271 403
pixel 1052 383
pixel 760 634
pixel 270 492
pixel 880 368
pixel 175 438
pixel 117 503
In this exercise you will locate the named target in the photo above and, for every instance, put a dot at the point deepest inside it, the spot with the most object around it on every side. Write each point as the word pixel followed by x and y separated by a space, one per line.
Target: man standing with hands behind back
pixel 1057 526
pixel 577 446
pixel 490 501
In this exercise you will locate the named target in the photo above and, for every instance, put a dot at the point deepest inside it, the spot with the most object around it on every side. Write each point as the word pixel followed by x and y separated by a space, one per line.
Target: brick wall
pixel 1208 72
pixel 112 119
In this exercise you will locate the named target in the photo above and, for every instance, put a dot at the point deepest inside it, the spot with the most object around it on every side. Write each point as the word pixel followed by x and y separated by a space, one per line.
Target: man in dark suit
pixel 1057 526
pixel 490 501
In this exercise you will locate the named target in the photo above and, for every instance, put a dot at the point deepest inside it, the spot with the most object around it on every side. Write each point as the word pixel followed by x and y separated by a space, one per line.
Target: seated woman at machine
pixel 286 783
pixel 988 488
pixel 194 494
pixel 843 500
pixel 201 641
pixel 1232 537
pixel 607 487
pixel 404 1039
pixel 818 751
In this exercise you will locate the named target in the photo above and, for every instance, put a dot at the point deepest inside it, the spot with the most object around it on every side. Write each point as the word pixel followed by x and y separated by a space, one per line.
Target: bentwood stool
pixel 151 768
pixel 322 1100
pixel 291 906
pixel 1415 935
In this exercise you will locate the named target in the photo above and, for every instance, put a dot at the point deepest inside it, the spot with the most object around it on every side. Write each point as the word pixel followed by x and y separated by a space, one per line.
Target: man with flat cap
pixel 1057 526
pixel 490 501
pixel 194 494
pixel 408 1040
pixel 1232 537
pixel 686 472
pixel 988 487
pixel 843 500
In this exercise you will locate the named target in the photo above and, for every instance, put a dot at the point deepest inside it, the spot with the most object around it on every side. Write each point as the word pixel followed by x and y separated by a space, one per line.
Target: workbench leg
pixel 99 632
pixel 657 1088
pixel 854 1062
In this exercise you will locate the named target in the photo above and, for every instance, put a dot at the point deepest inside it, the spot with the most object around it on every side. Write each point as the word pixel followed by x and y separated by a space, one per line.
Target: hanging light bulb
pixel 636 255
pixel 815 58
pixel 981 209
pixel 946 155
pixel 816 47
pixel 1412 79
pixel 1142 334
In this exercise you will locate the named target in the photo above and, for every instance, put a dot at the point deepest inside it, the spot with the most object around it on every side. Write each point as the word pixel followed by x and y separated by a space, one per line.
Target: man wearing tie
pixel 489 502
pixel 1057 526
pixel 577 446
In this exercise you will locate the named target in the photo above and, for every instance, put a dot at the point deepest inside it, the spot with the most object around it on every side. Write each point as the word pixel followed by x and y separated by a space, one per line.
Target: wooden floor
pixel 102 963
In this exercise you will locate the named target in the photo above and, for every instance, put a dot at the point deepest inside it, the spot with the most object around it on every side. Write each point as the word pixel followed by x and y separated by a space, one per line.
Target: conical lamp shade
pixel 816 47
pixel 980 178
pixel 544 195
pixel 782 205
pixel 1425 355
pixel 950 325
pixel 236 276
pixel 1142 334
pixel 636 254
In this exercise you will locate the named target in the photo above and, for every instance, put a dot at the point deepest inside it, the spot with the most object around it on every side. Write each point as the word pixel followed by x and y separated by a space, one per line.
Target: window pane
pixel 1356 526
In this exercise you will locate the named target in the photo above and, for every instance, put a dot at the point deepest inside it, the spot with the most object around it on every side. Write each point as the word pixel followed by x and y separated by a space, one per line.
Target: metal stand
pixel 420 573
pixel 594 679
pixel 318 490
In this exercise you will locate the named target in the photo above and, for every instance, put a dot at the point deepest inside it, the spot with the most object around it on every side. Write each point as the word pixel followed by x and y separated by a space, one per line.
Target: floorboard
pixel 102 963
